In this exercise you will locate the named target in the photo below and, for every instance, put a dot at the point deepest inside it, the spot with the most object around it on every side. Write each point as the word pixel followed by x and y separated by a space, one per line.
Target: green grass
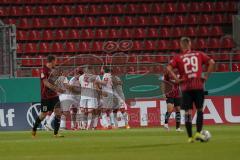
pixel 136 144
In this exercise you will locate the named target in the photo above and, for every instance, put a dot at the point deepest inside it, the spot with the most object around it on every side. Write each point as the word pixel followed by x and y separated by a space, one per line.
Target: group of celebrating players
pixel 95 97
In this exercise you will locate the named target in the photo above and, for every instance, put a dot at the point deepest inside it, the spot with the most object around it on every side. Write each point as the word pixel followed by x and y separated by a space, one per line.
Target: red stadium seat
pixel 179 20
pixel 115 21
pixel 152 32
pixel 113 33
pixel 63 22
pixel 128 21
pixel 236 67
pixel 21 35
pixel 174 45
pixel 215 31
pixel 167 20
pixel 70 47
pixel 132 58
pixel 50 23
pixel 160 59
pixel 36 72
pixel 217 19
pixel 24 23
pixel 100 34
pixel 84 47
pixel 155 20
pixel 194 7
pixel 126 33
pixel 73 34
pixel 205 19
pixel 15 11
pixel 44 47
pixel 177 32
pixel 150 45
pixel 26 61
pixel 191 19
pixel 39 10
pixel 144 8
pixel 102 21
pixel 142 20
pixel 236 57
pixel 206 6
pixel 165 32
pixel 202 31
pixel 137 45
pixel 77 22
pixel 34 35
pixel 130 9
pixel 157 8
pixel 38 23
pixel 227 42
pixel 231 6
pixel 219 6
pixel 214 43
pixel 158 69
pixel 117 8
pixel 223 67
pixel 31 48
pixel 20 48
pixel 53 10
pixel 181 7
pixel 139 33
pixel 79 10
pixel 67 10
pixel 87 34
pixel 27 10
pixel 92 9
pixel 161 45
pixel 104 9
pixel 57 47
pixel 39 61
pixel 199 44
pixel 90 21
pixel 145 58
pixel 47 35
pixel 97 46
pixel 190 32
pixel 60 35
pixel 169 8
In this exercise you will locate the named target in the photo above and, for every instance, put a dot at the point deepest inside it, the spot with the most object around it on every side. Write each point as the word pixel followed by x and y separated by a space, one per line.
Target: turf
pixel 136 144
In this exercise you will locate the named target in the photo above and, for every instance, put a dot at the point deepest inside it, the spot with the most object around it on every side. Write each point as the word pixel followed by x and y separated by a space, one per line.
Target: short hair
pixel 50 58
pixel 185 41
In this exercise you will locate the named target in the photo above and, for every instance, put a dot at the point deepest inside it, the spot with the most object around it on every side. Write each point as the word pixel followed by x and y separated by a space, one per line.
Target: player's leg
pixel 177 103
pixel 91 105
pixel 43 114
pixel 83 113
pixel 73 114
pixel 104 115
pixel 125 117
pixel 58 113
pixel 198 100
pixel 95 118
pixel 170 106
pixel 65 105
pixel 187 103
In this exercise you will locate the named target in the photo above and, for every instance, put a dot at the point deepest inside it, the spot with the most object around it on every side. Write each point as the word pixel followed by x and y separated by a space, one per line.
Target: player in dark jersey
pixel 49 96
pixel 173 100
pixel 189 64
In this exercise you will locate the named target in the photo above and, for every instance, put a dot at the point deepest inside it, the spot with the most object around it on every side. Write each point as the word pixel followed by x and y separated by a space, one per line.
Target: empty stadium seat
pixel 34 35
pixel 20 48
pixel 73 34
pixel 87 34
pixel 36 72
pixel 139 33
pixel 100 34
pixel 84 47
pixel 152 32
pixel 21 35
pixel 227 42
pixel 236 67
pixel 44 47
pixel 113 33
pixel 57 47
pixel 47 35
pixel 60 35
pixel 222 67
pixel 150 45
pixel 31 48
pixel 70 47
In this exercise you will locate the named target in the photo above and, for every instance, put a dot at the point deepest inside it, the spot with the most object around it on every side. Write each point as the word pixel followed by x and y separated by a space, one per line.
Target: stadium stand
pixel 75 27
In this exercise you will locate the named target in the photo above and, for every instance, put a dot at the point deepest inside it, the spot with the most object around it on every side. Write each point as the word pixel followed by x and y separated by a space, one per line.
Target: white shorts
pixel 66 104
pixel 107 102
pixel 89 103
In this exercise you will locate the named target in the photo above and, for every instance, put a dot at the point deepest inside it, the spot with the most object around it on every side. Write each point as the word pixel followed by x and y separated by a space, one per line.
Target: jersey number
pixel 190 64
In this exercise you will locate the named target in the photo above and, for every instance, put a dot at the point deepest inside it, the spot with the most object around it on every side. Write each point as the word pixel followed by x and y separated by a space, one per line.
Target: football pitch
pixel 121 144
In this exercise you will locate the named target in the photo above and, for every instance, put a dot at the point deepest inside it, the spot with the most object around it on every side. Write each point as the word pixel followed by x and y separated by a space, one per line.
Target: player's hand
pixel 179 81
pixel 59 90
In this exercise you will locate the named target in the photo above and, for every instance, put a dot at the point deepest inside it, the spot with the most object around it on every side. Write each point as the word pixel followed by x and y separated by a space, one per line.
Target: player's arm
pixel 116 81
pixel 52 87
pixel 171 72
pixel 210 69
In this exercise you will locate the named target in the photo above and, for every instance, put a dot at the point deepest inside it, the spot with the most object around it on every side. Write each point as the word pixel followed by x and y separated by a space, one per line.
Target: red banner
pixel 151 112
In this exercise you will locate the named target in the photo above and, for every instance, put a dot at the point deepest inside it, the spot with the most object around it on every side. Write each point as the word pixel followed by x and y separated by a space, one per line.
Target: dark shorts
pixel 49 104
pixel 175 101
pixel 192 97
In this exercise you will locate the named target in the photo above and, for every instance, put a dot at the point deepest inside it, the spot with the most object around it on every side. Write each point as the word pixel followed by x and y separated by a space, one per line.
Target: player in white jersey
pixel 76 115
pixel 119 100
pixel 88 93
pixel 107 99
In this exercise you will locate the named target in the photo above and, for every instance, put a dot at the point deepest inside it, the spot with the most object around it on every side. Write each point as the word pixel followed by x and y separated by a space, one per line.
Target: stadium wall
pixel 20 97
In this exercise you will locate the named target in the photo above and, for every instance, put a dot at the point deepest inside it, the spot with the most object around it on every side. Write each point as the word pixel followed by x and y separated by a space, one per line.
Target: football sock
pixel 178 119
pixel 125 117
pixel 115 119
pixel 36 124
pixel 111 115
pixel 63 122
pixel 199 121
pixel 95 121
pixel 57 119
pixel 167 115
pixel 51 118
pixel 104 120
pixel 188 124
pixel 89 120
